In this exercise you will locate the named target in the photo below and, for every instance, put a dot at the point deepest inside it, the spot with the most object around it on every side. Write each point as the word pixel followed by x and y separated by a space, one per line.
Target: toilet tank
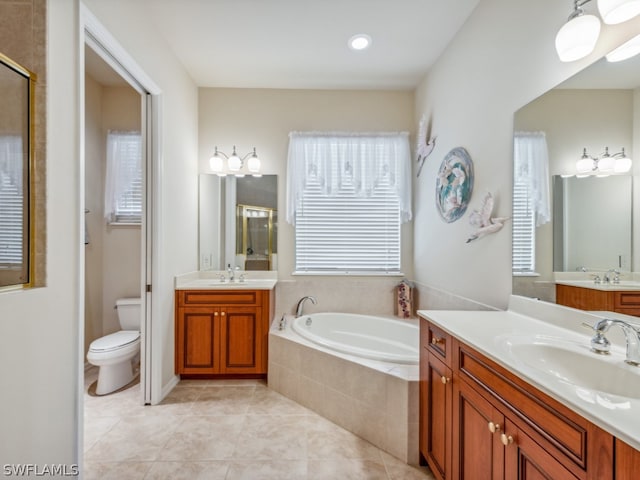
pixel 128 313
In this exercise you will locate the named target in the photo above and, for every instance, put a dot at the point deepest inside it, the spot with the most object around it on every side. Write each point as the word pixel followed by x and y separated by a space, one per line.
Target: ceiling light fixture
pixel 605 164
pixel 577 38
pixel 361 41
pixel 235 163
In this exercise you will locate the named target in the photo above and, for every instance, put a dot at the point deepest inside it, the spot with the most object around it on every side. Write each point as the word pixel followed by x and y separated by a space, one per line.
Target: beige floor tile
pixel 268 402
pixel 95 428
pixel 231 400
pixel 115 470
pixel 187 471
pixel 398 470
pixel 178 402
pixel 328 441
pixel 346 469
pixel 203 438
pixel 268 470
pixel 134 439
pixel 268 437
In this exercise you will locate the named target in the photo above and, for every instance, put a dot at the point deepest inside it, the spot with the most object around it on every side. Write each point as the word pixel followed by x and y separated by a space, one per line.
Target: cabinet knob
pixel 494 427
pixel 436 340
pixel 445 380
pixel 215 314
pixel 222 314
pixel 506 439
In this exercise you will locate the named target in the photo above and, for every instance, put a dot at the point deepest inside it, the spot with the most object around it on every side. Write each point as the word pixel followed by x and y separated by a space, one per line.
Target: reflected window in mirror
pixel 17 86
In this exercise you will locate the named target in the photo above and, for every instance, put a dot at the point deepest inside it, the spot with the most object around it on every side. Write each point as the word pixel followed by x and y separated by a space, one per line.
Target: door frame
pixel 94 35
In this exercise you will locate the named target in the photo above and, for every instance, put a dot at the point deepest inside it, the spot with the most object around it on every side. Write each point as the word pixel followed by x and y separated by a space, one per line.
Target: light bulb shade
pixel 234 163
pixel 622 165
pixel 618 11
pixel 253 164
pixel 577 38
pixel 606 164
pixel 626 50
pixel 585 165
pixel 216 164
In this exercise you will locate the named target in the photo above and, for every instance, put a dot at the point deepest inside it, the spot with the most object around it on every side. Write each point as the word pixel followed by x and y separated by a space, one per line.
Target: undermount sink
pixel 575 364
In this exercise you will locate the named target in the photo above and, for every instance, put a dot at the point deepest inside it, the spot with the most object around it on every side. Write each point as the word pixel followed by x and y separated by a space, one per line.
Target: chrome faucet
pixel 600 343
pixel 612 279
pixel 232 275
pixel 301 303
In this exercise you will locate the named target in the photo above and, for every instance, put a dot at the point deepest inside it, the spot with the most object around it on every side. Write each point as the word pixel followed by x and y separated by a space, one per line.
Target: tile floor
pixel 226 430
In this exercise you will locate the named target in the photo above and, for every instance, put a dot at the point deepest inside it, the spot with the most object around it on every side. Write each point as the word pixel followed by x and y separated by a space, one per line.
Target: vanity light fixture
pixel 626 50
pixel 577 38
pixel 235 163
pixel 605 164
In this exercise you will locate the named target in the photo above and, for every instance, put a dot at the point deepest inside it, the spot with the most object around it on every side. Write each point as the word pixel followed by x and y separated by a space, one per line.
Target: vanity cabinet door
pixel 436 389
pixel 242 345
pixel 478 453
pixel 627 462
pixel 197 335
pixel 527 460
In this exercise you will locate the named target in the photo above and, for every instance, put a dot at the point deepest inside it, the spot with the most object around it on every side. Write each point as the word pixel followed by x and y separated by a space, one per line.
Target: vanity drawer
pixel 627 300
pixel 564 433
pixel 218 297
pixel 439 343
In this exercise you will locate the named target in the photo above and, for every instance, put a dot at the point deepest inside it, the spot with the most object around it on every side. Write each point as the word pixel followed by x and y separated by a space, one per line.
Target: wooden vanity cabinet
pixel 621 301
pixel 500 427
pixel 222 332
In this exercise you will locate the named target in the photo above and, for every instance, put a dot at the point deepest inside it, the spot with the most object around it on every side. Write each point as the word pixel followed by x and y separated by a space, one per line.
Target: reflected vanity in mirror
pixel 17 121
pixel 238 222
pixel 590 230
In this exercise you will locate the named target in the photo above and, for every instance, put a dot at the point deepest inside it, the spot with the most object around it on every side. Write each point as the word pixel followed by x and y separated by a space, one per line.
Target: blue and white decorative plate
pixel 454 184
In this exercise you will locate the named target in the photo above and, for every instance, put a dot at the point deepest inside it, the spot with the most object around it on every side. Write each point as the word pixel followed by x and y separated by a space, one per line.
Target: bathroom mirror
pixel 238 221
pixel 17 87
pixel 596 108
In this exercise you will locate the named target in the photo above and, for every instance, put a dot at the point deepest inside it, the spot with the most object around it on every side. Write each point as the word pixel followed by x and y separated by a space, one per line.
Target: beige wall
pixel 264 117
pixel 503 58
pixel 112 257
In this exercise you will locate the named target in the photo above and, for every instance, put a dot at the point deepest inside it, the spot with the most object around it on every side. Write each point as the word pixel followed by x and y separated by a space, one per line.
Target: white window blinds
pixel 123 182
pixel 524 231
pixel 347 197
pixel 13 214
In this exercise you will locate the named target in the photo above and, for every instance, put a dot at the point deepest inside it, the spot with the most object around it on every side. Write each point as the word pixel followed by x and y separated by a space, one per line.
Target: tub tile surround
pixel 273 438
pixel 375 400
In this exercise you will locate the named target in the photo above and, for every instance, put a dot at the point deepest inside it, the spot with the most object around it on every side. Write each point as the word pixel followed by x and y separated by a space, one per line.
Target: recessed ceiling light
pixel 361 41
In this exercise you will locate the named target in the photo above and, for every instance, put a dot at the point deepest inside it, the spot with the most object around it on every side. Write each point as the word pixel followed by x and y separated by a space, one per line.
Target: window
pixel 123 183
pixel 347 197
pixel 531 202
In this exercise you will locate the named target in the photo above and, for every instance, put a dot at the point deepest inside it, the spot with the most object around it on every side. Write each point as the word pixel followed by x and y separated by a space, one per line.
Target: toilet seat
pixel 114 341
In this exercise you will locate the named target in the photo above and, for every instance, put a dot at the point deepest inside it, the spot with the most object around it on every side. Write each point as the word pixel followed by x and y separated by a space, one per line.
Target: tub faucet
pixel 301 302
pixel 600 343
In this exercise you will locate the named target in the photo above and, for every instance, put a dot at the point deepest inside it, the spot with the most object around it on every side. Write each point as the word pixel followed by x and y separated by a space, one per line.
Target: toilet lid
pixel 114 341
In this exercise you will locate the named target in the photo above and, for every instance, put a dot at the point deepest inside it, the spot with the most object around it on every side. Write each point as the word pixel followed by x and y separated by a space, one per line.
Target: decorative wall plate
pixel 454 184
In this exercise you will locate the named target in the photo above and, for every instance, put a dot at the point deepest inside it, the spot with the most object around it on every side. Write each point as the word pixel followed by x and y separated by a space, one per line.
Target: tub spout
pixel 301 303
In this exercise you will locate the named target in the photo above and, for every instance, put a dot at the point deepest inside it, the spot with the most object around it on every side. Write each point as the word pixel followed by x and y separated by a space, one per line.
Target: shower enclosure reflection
pixel 238 222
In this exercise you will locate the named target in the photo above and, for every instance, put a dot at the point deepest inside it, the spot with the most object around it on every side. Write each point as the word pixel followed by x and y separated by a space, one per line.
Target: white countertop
pixel 489 333
pixel 624 285
pixel 212 280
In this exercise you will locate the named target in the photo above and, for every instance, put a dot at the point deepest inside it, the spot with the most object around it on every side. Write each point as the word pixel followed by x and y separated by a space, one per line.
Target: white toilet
pixel 113 353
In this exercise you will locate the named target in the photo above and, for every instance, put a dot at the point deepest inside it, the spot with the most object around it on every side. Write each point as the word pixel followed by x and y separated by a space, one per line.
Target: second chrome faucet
pixel 600 343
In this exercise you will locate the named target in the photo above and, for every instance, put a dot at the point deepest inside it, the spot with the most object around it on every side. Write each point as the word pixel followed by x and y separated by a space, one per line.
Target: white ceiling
pixel 303 43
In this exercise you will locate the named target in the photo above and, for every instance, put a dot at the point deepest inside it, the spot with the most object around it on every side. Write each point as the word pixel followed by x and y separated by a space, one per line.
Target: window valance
pixel 364 158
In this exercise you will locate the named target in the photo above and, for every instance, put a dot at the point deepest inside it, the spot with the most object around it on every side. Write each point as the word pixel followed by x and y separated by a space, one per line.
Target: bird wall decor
pixel 424 147
pixel 483 221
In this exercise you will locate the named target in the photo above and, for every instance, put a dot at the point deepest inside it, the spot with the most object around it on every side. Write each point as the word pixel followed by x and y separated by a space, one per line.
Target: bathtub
pixel 365 336
pixel 359 371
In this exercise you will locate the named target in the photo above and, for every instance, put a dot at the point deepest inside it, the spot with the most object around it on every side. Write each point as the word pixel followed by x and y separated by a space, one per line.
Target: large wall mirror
pixel 17 87
pixel 238 220
pixel 590 227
